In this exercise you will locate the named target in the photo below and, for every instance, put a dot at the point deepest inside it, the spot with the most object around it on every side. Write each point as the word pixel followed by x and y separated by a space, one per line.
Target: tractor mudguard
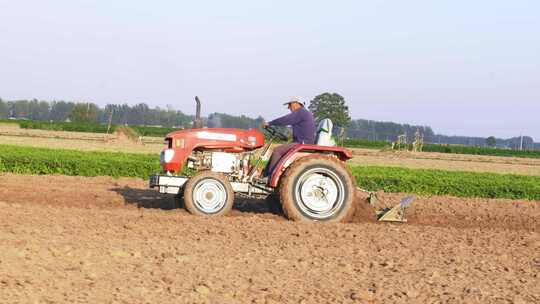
pixel 342 153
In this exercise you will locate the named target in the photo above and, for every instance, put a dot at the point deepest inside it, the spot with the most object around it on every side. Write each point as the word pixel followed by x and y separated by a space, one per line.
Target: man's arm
pixel 287 120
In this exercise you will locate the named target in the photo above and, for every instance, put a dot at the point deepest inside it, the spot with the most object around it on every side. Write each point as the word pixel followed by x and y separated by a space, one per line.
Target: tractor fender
pixel 342 153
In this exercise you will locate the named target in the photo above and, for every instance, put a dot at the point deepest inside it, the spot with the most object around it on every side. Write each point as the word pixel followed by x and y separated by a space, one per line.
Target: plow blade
pixel 397 213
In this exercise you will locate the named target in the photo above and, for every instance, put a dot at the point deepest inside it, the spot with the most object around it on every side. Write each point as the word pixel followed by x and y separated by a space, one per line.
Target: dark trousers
pixel 277 154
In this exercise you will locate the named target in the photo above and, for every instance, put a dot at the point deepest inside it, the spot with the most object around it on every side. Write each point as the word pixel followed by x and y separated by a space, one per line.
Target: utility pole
pixel 521 143
pixel 110 120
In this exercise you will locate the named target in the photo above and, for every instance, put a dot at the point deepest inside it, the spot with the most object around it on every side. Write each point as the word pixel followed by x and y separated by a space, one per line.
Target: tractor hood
pixel 180 144
pixel 217 138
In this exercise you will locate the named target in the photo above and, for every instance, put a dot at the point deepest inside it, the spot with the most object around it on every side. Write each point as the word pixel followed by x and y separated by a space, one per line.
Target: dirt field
pixel 103 240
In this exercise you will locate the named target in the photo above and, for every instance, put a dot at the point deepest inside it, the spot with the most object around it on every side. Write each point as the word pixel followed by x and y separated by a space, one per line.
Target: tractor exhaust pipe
pixel 197 122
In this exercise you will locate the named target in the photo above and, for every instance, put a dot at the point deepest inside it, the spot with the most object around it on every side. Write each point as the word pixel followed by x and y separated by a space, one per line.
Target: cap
pixel 294 99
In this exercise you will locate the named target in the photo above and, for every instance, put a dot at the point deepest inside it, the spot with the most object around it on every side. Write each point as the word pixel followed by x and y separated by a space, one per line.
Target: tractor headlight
pixel 167 155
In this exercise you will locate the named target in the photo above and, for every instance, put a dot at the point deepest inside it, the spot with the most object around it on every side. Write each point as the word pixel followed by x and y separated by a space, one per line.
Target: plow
pixel 208 167
pixel 386 214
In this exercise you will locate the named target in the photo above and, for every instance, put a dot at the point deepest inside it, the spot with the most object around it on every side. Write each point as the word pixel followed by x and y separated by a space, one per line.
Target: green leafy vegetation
pixel 27 160
pixel 458 149
pixel 454 183
pixel 364 143
pixel 8 121
pixel 332 106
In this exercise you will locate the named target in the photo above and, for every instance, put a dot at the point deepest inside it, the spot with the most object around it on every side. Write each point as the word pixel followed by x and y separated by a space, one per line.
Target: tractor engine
pixel 226 151
pixel 236 165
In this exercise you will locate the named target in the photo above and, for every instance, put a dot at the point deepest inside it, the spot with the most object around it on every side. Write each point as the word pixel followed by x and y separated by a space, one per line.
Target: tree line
pixel 139 114
pixel 330 105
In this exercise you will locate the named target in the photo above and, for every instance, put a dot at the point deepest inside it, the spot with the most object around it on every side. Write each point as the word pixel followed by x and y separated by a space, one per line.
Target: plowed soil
pixel 103 240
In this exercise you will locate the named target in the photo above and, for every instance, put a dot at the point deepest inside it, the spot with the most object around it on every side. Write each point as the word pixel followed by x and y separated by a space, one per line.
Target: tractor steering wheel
pixel 275 131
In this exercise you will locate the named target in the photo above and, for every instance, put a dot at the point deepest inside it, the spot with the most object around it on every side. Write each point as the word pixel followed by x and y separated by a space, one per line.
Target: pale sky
pixel 461 67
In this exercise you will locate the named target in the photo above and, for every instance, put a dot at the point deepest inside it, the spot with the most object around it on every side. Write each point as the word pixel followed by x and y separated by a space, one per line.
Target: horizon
pixel 203 114
pixel 417 63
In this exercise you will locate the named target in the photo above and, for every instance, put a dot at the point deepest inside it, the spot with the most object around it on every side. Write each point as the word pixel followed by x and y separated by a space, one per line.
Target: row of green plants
pixel 364 143
pixel 454 183
pixel 29 160
pixel 8 121
pixel 458 149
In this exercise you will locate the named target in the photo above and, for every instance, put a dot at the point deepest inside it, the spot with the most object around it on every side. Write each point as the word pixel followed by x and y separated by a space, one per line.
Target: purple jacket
pixel 302 123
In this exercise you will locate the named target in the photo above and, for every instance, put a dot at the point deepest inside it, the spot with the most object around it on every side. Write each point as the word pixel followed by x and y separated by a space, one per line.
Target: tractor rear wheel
pixel 318 188
pixel 208 194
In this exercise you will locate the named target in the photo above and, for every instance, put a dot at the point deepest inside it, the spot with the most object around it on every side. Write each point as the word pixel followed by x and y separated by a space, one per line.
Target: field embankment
pixel 88 127
pixel 12 134
pixel 154 131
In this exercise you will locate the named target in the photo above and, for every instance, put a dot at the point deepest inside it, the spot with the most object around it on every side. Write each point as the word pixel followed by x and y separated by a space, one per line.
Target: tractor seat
pixel 324 133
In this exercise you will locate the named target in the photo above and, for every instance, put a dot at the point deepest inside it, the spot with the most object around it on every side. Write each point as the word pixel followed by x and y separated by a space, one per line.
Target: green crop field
pixel 27 160
pixel 367 144
pixel 8 121
pixel 454 183
pixel 457 149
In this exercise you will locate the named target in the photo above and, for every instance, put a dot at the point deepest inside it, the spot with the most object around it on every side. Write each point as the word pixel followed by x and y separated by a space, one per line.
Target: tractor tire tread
pixel 287 181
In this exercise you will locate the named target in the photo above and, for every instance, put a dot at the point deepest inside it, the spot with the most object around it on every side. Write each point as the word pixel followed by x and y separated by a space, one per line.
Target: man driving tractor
pixel 303 125
pixel 311 181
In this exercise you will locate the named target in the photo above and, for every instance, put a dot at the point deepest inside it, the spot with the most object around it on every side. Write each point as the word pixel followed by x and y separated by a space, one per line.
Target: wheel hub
pixel 319 193
pixel 210 195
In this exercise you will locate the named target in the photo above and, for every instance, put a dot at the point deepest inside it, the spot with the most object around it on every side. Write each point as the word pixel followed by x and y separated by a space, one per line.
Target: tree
pixel 84 112
pixel 491 141
pixel 3 109
pixel 38 110
pixel 331 105
pixel 20 108
pixel 60 110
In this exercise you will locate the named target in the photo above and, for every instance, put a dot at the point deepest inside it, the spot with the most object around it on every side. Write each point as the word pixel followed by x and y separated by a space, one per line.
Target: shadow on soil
pixel 143 198
pixel 147 198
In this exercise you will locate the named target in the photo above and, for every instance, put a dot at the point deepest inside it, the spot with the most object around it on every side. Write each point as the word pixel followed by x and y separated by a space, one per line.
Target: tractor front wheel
pixel 318 188
pixel 208 194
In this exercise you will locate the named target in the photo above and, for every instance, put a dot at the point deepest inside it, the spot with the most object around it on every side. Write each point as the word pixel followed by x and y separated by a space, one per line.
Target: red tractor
pixel 312 182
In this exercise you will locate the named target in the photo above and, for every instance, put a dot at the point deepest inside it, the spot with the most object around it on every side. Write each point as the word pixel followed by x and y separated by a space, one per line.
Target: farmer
pixel 303 126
